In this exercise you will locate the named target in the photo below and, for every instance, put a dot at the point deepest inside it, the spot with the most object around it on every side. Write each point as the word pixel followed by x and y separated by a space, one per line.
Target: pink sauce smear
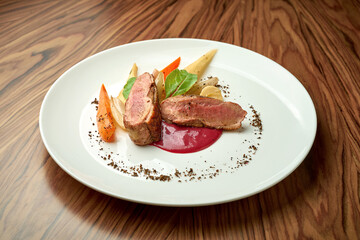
pixel 181 139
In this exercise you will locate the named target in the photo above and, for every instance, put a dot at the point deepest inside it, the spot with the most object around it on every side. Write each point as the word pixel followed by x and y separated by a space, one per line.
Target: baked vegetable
pixel 104 117
pixel 212 92
pixel 118 111
pixel 171 67
pixel 200 85
pixel 160 85
pixel 199 66
pixel 132 74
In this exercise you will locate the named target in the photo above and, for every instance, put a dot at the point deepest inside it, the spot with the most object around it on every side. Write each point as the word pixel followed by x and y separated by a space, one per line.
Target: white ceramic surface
pixel 287 113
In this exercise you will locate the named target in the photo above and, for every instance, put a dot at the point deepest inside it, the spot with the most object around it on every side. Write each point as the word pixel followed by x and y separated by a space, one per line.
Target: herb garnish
pixel 128 86
pixel 179 82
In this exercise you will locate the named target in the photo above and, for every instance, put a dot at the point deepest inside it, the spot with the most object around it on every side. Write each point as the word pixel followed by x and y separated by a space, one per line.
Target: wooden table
pixel 317 41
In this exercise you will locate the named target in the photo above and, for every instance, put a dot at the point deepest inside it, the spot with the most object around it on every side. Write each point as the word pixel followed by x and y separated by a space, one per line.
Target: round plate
pixel 241 163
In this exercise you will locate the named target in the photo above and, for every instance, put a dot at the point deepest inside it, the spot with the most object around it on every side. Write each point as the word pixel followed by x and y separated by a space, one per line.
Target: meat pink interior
pixel 140 106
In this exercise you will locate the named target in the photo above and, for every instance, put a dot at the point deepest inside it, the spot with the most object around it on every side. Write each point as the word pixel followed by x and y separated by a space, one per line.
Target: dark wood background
pixel 317 41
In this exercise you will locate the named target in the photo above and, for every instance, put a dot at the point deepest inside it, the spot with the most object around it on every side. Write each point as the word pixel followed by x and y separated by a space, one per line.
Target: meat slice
pixel 142 114
pixel 197 111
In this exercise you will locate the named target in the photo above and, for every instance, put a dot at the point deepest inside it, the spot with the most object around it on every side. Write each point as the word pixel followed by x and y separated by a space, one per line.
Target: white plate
pixel 287 113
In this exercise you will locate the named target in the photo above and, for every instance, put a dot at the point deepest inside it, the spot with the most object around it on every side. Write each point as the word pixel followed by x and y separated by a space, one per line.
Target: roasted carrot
pixel 171 67
pixel 104 117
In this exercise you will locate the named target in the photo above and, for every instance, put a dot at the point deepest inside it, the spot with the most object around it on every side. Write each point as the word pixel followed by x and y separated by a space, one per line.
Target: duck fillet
pixel 197 111
pixel 142 114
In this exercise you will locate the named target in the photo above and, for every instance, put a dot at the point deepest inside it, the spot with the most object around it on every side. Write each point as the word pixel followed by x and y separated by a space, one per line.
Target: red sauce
pixel 181 139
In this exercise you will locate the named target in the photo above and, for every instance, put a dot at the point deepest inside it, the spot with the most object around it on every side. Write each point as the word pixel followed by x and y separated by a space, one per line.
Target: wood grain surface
pixel 317 41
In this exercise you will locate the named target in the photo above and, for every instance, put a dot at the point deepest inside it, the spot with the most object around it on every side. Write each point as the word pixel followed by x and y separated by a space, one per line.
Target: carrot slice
pixel 171 67
pixel 104 117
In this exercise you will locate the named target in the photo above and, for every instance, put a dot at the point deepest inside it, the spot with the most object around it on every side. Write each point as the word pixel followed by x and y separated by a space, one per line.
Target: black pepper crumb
pixel 95 101
pixel 189 174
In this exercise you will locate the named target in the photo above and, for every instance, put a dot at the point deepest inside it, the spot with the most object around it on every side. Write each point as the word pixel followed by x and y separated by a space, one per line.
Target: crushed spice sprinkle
pixel 95 101
pixel 188 174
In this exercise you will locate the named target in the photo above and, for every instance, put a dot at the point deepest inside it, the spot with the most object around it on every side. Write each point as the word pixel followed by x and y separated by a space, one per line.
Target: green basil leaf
pixel 179 82
pixel 189 81
pixel 128 86
pixel 172 82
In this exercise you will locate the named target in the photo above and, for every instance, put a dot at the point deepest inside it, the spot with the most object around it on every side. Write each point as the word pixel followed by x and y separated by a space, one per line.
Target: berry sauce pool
pixel 182 139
